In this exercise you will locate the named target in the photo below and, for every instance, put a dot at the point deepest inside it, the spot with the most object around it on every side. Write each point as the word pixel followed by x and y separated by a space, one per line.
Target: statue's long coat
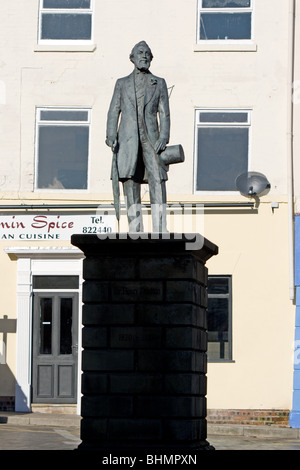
pixel 156 104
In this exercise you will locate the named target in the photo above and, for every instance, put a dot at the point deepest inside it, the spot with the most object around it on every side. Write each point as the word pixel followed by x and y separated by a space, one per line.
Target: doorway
pixel 55 340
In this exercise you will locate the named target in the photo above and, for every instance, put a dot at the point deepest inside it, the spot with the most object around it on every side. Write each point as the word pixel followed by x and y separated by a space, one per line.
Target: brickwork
pixel 144 348
pixel 248 417
pixel 7 403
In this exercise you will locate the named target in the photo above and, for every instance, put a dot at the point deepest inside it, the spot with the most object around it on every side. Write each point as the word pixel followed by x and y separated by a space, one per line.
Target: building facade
pixel 294 166
pixel 229 76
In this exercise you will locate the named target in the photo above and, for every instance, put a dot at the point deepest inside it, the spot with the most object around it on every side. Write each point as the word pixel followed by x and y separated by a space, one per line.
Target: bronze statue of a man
pixel 138 129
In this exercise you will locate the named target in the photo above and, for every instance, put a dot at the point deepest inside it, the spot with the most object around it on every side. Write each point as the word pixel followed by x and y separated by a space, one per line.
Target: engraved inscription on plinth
pixel 144 344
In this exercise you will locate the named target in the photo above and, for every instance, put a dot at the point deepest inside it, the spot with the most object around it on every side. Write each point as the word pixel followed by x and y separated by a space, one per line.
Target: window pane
pixel 63 157
pixel 66 26
pixel 218 285
pixel 226 3
pixel 67 4
pixel 225 26
pixel 223 117
pixel 55 282
pixel 217 316
pixel 217 324
pixel 222 156
pixel 64 115
pixel 45 326
pixel 66 311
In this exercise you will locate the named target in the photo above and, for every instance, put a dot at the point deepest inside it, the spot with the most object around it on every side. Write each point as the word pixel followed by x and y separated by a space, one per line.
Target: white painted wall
pixel 253 247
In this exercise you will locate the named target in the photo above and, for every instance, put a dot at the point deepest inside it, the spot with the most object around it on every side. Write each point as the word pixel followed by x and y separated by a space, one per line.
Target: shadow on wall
pixel 7 389
pixel 7 378
pixel 8 383
pixel 6 326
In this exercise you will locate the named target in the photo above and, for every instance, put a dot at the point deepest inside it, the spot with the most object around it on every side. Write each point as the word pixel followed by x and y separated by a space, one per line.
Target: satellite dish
pixel 252 184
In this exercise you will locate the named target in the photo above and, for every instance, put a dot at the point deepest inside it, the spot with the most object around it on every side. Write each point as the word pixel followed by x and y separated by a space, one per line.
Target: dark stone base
pixel 145 341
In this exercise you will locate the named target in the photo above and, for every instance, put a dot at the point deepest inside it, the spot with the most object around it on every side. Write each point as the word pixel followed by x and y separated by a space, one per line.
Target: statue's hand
pixel 160 145
pixel 112 144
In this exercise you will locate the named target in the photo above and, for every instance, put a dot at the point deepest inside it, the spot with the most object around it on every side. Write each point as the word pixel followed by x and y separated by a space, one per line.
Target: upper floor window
pixel 65 21
pixel 62 149
pixel 221 148
pixel 225 20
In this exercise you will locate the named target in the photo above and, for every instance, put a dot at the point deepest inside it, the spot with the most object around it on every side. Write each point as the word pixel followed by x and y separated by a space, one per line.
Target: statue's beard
pixel 144 65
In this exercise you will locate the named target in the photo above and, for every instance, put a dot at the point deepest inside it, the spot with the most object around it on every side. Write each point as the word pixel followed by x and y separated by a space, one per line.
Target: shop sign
pixel 59 227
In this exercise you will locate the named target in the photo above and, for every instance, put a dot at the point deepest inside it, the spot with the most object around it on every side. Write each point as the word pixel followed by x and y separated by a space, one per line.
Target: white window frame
pixel 220 44
pixel 40 123
pixel 199 124
pixel 68 42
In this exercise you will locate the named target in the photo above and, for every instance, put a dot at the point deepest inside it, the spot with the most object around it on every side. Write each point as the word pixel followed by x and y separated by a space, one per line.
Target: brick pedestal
pixel 144 344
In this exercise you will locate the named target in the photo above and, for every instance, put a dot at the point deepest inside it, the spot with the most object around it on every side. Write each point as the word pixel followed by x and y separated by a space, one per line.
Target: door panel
pixel 55 332
pixel 45 381
pixel 65 381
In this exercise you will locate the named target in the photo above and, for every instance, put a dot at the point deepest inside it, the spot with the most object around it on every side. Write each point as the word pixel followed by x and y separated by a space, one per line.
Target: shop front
pixel 44 276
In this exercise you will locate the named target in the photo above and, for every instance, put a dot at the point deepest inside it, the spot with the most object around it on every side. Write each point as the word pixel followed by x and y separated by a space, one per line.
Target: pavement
pixel 52 432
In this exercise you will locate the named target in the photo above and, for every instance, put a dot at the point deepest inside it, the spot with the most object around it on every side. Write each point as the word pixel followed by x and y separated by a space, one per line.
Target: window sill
pixel 220 361
pixel 65 48
pixel 225 47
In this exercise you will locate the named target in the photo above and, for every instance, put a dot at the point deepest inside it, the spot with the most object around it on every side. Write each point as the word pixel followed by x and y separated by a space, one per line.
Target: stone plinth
pixel 144 343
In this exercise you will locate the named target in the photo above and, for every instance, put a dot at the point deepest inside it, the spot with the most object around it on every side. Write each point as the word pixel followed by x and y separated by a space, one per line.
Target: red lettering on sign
pixel 41 221
pixel 13 224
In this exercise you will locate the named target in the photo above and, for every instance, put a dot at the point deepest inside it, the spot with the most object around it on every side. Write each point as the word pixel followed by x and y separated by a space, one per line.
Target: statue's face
pixel 142 57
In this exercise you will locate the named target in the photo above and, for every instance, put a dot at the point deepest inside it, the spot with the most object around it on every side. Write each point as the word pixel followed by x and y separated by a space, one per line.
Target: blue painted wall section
pixel 295 413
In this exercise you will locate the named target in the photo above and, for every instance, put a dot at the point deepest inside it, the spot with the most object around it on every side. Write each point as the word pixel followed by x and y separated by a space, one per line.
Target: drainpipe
pixel 290 178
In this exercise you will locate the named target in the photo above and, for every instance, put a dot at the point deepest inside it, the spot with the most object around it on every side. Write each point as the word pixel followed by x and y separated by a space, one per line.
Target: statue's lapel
pixel 150 88
pixel 149 92
pixel 130 89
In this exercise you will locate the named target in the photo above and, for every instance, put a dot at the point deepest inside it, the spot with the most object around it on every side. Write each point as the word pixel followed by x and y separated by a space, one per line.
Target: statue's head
pixel 141 56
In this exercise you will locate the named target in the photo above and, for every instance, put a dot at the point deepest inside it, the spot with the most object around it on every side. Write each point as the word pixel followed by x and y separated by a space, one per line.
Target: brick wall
pixel 7 403
pixel 257 417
